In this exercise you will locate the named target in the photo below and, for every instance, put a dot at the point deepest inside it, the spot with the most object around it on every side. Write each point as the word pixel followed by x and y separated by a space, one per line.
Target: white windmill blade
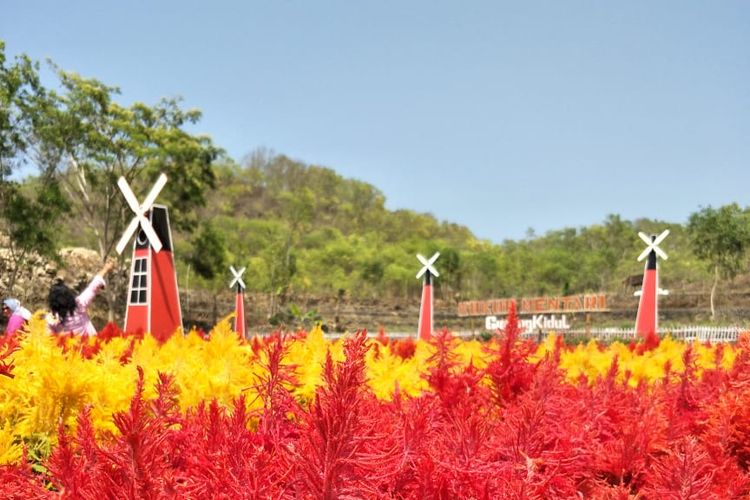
pixel 237 277
pixel 661 237
pixel 661 253
pixel 153 238
pixel 128 194
pixel 646 238
pixel 127 235
pixel 644 254
pixel 653 245
pixel 139 210
pixel 151 198
pixel 427 265
pixel 434 258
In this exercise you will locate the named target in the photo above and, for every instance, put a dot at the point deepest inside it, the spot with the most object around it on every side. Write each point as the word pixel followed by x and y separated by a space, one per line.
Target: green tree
pixel 209 254
pixel 30 216
pixel 91 141
pixel 19 83
pixel 720 236
pixel 31 224
pixel 449 267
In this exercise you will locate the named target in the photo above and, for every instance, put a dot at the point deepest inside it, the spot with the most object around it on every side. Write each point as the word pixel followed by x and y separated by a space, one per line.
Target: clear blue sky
pixel 496 115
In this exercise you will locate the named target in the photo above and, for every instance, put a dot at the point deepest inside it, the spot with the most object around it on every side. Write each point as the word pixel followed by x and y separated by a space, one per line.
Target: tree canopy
pixel 721 238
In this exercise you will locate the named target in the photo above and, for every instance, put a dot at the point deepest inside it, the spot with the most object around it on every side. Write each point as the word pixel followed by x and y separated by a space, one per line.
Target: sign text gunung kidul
pixel 537 307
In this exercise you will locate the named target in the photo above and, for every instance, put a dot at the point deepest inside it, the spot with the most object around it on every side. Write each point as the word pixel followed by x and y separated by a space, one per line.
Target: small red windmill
pixel 425 309
pixel 239 301
pixel 153 299
pixel 648 311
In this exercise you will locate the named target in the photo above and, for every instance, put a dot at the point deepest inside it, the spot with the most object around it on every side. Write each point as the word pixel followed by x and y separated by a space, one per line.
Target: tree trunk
pixel 13 274
pixel 713 292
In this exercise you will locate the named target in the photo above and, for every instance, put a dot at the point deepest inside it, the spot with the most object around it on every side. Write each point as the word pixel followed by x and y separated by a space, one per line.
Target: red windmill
pixel 648 317
pixel 425 309
pixel 153 299
pixel 239 302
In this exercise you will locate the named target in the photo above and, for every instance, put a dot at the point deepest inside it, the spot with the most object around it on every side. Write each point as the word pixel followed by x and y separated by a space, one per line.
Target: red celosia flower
pixel 404 348
pixel 8 345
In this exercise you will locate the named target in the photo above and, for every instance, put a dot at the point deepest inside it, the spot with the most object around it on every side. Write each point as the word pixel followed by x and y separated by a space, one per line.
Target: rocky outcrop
pixel 76 266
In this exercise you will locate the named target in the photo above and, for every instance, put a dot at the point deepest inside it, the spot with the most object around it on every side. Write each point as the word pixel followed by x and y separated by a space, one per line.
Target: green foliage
pixel 79 138
pixel 30 220
pixel 31 212
pixel 294 317
pixel 721 237
pixel 209 254
pixel 306 230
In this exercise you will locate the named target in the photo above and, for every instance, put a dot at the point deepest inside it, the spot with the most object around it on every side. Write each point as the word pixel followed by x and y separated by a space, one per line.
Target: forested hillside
pixel 305 229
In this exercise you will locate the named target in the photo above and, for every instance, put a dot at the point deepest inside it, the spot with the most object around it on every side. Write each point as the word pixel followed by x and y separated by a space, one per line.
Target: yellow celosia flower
pixel 51 384
pixel 10 450
pixel 388 371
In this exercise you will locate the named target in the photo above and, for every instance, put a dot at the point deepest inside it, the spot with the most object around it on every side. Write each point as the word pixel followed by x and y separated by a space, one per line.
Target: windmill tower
pixel 647 320
pixel 425 309
pixel 153 298
pixel 239 301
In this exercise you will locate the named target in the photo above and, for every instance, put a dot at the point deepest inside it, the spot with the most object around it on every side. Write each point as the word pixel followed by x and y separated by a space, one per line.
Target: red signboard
pixel 535 305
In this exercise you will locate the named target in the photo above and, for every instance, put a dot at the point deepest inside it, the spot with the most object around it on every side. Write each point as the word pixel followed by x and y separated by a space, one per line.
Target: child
pixel 16 314
pixel 69 313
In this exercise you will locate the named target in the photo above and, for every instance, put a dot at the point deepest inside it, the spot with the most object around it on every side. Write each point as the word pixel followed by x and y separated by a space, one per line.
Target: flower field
pixel 297 416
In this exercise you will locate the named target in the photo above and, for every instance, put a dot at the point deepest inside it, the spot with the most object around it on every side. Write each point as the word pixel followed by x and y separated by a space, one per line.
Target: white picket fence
pixel 711 334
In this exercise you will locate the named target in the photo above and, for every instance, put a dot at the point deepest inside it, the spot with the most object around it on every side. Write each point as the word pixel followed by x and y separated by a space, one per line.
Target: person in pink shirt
pixel 17 315
pixel 68 312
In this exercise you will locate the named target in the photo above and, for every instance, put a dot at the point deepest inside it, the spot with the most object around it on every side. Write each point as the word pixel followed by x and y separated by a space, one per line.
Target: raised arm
pixel 87 296
pixel 105 269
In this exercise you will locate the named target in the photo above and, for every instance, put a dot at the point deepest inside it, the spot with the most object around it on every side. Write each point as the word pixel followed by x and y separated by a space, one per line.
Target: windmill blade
pixel 236 281
pixel 660 253
pixel 422 260
pixel 644 254
pixel 153 238
pixel 127 193
pixel 427 265
pixel 433 258
pixel 646 238
pixel 430 263
pixel 127 235
pixel 237 277
pixel 151 198
pixel 661 237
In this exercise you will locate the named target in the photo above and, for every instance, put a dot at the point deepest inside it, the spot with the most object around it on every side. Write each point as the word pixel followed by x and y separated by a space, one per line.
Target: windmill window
pixel 139 285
